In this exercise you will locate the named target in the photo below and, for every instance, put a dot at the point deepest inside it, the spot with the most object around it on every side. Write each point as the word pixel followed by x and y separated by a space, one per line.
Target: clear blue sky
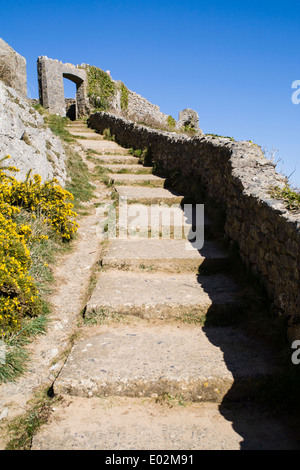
pixel 234 62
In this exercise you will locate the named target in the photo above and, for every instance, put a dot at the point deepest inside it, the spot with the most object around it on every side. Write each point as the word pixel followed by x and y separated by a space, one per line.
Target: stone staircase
pixel 159 363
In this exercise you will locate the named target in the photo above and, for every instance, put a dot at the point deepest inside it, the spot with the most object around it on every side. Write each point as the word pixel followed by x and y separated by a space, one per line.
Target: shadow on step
pixel 256 392
pixel 261 403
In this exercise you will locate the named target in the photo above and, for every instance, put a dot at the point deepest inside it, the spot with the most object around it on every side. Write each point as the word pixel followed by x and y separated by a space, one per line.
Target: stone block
pixel 13 69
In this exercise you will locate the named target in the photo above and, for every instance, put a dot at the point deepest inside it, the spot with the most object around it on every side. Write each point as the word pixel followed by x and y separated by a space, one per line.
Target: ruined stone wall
pixel 51 86
pixel 13 69
pixel 237 176
pixel 141 110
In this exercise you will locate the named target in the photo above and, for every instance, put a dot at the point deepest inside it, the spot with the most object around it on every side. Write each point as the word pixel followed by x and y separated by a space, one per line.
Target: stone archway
pixel 51 87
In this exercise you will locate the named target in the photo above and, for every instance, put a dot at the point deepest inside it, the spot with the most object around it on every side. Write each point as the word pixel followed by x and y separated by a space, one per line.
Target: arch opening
pixel 70 89
pixel 74 104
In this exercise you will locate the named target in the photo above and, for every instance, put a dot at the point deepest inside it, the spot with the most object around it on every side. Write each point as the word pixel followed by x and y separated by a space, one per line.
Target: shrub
pixel 101 89
pixel 291 197
pixel 19 296
pixel 124 97
pixel 171 122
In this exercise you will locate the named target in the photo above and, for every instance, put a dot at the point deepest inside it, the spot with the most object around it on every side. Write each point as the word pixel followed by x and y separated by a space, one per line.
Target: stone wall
pixel 141 110
pixel 51 86
pixel 13 69
pixel 237 177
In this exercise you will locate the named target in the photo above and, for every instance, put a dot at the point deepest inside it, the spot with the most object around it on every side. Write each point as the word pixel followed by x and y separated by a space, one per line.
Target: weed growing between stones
pixel 107 135
pixel 22 429
pixel 290 197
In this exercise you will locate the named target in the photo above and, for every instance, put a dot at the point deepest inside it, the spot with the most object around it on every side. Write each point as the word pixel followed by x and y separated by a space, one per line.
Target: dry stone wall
pixel 237 177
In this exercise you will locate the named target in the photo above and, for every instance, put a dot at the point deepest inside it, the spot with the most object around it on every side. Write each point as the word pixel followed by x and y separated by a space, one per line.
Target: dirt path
pixel 47 353
pixel 136 375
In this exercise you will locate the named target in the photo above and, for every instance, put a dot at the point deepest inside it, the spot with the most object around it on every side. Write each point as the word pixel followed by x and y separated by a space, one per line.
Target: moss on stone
pixel 101 88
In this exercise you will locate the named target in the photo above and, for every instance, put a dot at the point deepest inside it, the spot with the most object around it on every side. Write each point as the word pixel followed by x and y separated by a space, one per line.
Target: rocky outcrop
pixel 188 119
pixel 24 136
pixel 13 69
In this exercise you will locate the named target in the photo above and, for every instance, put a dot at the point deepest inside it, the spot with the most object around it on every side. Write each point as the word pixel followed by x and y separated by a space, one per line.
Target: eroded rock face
pixel 24 136
pixel 13 69
pixel 188 118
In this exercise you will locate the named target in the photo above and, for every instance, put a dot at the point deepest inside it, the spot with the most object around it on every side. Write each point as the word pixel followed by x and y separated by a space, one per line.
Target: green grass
pixel 16 355
pixel 101 316
pixel 22 429
pixel 42 254
pixel 58 124
pixel 221 136
pixel 289 196
pixel 79 184
pixel 78 173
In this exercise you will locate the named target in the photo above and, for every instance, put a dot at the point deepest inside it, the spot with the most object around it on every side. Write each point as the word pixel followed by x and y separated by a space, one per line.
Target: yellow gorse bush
pixel 18 293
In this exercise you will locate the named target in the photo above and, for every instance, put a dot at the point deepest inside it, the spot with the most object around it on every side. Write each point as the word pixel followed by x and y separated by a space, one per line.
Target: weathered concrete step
pixel 146 195
pixel 160 295
pixel 80 126
pixel 86 135
pixel 167 359
pixel 118 159
pixel 164 255
pixel 144 424
pixel 120 168
pixel 163 220
pixel 138 180
pixel 82 129
pixel 103 146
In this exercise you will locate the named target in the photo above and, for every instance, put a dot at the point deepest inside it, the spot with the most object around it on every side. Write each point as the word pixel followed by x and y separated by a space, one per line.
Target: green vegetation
pixel 22 428
pixel 171 122
pixel 135 152
pixel 102 316
pixel 124 97
pixel 101 89
pixel 36 218
pixel 291 197
pixel 144 156
pixel 58 124
pixel 79 184
pixel 107 135
pixel 221 136
pixel 188 129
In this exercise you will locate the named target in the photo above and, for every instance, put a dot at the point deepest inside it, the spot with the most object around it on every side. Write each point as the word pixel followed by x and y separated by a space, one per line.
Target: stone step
pixel 128 169
pixel 155 221
pixel 126 423
pixel 86 135
pixel 196 364
pixel 117 159
pixel 138 180
pixel 162 221
pixel 186 296
pixel 163 255
pixel 146 195
pixel 82 128
pixel 103 146
pixel 79 125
